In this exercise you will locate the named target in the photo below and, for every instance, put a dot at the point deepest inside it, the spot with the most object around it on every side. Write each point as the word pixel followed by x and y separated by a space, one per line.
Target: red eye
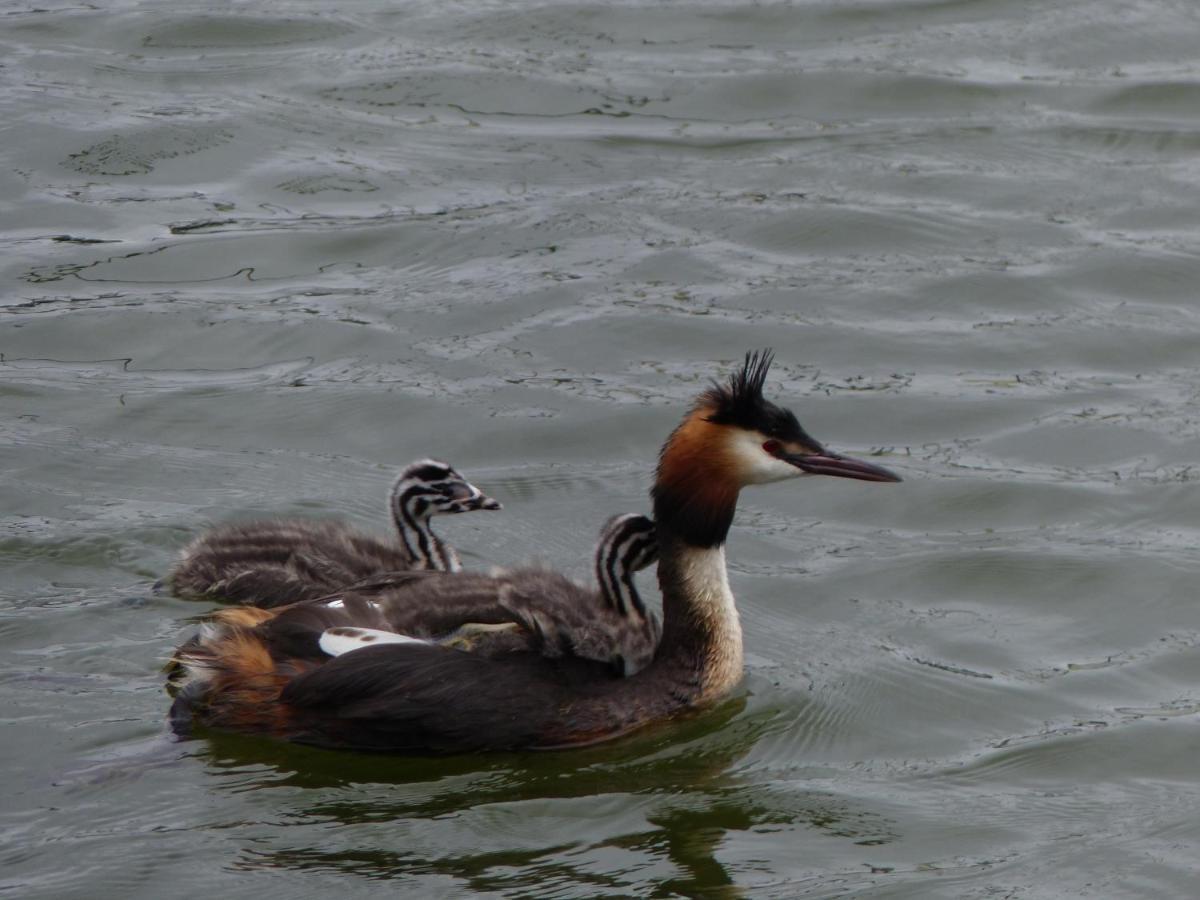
pixel 773 447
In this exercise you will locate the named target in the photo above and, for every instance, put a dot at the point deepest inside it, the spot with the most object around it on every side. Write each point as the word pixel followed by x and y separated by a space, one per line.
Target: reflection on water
pixel 679 787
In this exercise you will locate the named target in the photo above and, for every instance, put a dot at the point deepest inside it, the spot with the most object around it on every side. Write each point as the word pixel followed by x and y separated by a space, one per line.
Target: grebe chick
pixel 263 671
pixel 278 562
pixel 628 543
pixel 553 617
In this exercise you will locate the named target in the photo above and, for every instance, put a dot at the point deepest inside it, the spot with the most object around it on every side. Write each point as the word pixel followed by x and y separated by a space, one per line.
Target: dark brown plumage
pixel 529 610
pixel 275 676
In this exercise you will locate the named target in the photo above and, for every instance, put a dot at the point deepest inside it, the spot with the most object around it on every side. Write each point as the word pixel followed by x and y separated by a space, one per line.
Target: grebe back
pixel 527 609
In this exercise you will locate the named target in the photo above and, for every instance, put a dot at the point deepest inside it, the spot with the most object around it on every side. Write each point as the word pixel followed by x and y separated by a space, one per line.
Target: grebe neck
pixel 695 496
pixel 627 544
pixel 410 512
pixel 702 634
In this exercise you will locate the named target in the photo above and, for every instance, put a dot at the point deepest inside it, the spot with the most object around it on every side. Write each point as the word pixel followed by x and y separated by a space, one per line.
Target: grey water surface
pixel 257 256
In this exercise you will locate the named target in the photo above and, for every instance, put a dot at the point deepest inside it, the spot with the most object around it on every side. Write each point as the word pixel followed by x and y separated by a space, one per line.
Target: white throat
pixel 699 582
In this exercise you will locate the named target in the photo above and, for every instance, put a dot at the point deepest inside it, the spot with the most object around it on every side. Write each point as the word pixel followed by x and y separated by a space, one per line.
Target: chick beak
pixel 470 498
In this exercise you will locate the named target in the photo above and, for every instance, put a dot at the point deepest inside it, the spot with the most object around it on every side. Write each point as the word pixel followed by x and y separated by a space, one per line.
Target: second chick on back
pixel 274 563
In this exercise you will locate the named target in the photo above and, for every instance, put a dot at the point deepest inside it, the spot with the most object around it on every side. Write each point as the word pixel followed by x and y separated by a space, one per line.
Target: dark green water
pixel 255 257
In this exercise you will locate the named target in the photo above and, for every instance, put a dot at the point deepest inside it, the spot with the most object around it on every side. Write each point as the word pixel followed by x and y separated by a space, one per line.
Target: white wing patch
pixel 340 604
pixel 344 639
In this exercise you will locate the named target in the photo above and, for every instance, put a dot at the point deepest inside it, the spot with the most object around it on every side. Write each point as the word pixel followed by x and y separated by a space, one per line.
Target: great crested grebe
pixel 275 563
pixel 527 609
pixel 263 671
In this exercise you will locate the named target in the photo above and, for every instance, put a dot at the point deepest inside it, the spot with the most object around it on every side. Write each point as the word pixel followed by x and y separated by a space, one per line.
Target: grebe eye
pixel 773 447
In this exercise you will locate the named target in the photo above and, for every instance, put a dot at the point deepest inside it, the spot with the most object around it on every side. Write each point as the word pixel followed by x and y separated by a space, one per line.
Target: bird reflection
pixel 683 775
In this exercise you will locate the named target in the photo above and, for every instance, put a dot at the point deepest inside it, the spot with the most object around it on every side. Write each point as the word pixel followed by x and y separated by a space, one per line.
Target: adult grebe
pixel 275 563
pixel 264 671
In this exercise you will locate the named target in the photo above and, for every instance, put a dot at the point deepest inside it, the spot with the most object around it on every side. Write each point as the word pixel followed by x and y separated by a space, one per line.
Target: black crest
pixel 740 401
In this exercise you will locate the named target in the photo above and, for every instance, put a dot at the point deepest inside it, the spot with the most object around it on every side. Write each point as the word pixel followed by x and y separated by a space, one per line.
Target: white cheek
pixel 756 465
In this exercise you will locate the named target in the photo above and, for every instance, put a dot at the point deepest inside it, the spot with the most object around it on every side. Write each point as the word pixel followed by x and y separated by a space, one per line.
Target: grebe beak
pixel 829 463
pixel 469 498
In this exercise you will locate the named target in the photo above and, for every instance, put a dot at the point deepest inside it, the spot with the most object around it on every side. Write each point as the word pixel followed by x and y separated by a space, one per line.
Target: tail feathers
pixel 225 647
pixel 181 717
